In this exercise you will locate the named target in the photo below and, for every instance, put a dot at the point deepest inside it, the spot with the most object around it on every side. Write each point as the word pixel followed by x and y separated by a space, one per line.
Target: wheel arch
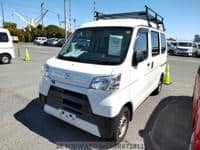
pixel 6 54
pixel 129 105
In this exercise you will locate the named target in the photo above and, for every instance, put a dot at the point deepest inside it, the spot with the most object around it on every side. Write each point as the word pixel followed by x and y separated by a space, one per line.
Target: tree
pixel 54 31
pixel 28 34
pixel 12 27
pixel 197 38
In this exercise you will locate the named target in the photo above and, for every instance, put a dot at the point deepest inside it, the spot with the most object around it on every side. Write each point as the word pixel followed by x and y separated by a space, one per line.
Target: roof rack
pixel 149 15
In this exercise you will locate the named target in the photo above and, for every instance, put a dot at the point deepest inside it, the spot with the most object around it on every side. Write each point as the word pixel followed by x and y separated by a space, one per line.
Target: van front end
pixel 81 105
pixel 184 51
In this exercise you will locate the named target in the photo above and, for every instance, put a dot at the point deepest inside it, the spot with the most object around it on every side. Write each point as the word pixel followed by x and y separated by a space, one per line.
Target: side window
pixel 163 43
pixel 155 43
pixel 141 43
pixel 3 37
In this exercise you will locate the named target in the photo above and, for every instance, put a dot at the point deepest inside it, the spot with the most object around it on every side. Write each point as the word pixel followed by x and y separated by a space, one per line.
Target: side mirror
pixel 138 57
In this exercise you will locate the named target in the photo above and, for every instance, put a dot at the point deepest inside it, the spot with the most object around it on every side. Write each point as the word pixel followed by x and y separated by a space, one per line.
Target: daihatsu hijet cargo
pixel 105 71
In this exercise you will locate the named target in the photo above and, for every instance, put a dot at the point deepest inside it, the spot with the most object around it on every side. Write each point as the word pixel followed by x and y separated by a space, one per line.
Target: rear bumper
pixel 84 118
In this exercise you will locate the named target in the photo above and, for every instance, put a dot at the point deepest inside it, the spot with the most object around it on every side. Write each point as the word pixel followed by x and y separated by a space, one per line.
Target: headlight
pixel 106 83
pixel 45 70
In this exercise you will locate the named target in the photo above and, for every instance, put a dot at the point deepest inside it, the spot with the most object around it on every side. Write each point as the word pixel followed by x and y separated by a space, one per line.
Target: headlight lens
pixel 45 70
pixel 107 83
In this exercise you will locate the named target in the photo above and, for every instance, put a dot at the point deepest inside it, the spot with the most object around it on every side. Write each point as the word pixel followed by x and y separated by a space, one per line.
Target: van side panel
pixel 7 47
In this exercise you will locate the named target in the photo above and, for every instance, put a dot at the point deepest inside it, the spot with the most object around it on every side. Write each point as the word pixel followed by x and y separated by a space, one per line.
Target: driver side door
pixel 139 70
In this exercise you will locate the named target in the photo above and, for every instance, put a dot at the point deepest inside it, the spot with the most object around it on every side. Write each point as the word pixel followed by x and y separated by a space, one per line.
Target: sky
pixel 182 17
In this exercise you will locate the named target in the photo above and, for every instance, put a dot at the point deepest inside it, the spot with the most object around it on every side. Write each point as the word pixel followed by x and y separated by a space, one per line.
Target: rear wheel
pixel 121 125
pixel 5 59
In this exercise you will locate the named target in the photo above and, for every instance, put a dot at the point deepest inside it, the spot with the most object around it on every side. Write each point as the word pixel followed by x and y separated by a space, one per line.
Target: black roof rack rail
pixel 149 15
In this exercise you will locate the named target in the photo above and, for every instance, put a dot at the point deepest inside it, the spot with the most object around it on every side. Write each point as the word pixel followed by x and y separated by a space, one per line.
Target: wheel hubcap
pixel 123 125
pixel 5 59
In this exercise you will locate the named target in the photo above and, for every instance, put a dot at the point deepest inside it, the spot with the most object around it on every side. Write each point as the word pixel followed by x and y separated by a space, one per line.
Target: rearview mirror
pixel 138 57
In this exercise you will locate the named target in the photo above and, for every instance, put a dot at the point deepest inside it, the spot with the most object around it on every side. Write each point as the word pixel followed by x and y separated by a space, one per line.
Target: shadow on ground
pixel 33 117
pixel 170 125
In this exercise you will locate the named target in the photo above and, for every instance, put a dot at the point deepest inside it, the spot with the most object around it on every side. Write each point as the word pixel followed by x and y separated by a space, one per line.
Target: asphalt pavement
pixel 162 122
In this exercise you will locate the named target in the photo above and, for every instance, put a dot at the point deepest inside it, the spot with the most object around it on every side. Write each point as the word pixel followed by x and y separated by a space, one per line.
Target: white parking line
pixel 184 60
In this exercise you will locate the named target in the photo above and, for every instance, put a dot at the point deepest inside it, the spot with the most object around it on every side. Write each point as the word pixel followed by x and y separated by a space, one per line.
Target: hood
pixel 75 73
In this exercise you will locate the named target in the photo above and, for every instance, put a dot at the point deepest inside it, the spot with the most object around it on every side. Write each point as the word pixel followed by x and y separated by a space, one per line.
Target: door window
pixel 155 43
pixel 141 43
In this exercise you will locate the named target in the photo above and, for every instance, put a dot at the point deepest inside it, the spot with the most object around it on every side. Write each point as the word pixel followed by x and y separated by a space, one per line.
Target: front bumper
pixel 184 53
pixel 76 104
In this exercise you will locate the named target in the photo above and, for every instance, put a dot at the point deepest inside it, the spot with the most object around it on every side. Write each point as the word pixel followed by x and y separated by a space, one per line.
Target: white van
pixel 104 72
pixel 186 48
pixel 6 46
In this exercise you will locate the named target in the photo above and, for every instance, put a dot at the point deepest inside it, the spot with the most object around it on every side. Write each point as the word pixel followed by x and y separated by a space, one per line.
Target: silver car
pixel 185 48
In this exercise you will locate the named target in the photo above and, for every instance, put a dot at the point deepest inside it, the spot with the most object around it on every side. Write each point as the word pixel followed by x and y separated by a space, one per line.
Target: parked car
pixel 195 144
pixel 6 46
pixel 15 39
pixel 51 42
pixel 198 51
pixel 60 42
pixel 40 40
pixel 185 48
pixel 104 72
pixel 171 47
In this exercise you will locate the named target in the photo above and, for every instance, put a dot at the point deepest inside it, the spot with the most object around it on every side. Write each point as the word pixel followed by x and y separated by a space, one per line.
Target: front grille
pixel 68 100
pixel 182 50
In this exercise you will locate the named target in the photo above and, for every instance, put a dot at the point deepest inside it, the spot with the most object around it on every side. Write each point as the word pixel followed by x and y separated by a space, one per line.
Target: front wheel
pixel 121 125
pixel 5 59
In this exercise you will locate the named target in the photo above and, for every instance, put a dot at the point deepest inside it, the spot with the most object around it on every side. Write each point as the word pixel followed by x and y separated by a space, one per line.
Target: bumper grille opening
pixel 72 104
pixel 68 100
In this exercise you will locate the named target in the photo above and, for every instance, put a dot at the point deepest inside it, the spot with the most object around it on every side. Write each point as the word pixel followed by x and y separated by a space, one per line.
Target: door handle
pixel 152 64
pixel 148 64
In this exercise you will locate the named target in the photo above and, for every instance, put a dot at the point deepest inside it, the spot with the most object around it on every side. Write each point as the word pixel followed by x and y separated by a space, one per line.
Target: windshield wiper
pixel 70 58
pixel 107 62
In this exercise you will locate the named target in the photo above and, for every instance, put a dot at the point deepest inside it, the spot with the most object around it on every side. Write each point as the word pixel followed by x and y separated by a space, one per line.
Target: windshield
pixel 185 44
pixel 107 46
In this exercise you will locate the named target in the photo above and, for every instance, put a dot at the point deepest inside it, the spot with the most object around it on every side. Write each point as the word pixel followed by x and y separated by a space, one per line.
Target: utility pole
pixel 42 10
pixel 2 13
pixel 69 13
pixel 65 21
pixel 74 21
pixel 94 9
pixel 59 23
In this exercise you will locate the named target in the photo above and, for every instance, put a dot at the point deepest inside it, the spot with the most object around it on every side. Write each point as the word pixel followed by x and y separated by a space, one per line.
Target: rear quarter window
pixel 3 37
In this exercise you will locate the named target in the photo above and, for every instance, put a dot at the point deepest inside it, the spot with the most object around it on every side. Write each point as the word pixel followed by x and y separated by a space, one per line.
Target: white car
pixel 6 47
pixel 186 48
pixel 104 72
pixel 40 40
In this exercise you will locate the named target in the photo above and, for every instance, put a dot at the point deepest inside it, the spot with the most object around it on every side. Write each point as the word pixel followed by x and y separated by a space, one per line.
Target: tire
pixel 121 126
pixel 159 88
pixel 5 59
